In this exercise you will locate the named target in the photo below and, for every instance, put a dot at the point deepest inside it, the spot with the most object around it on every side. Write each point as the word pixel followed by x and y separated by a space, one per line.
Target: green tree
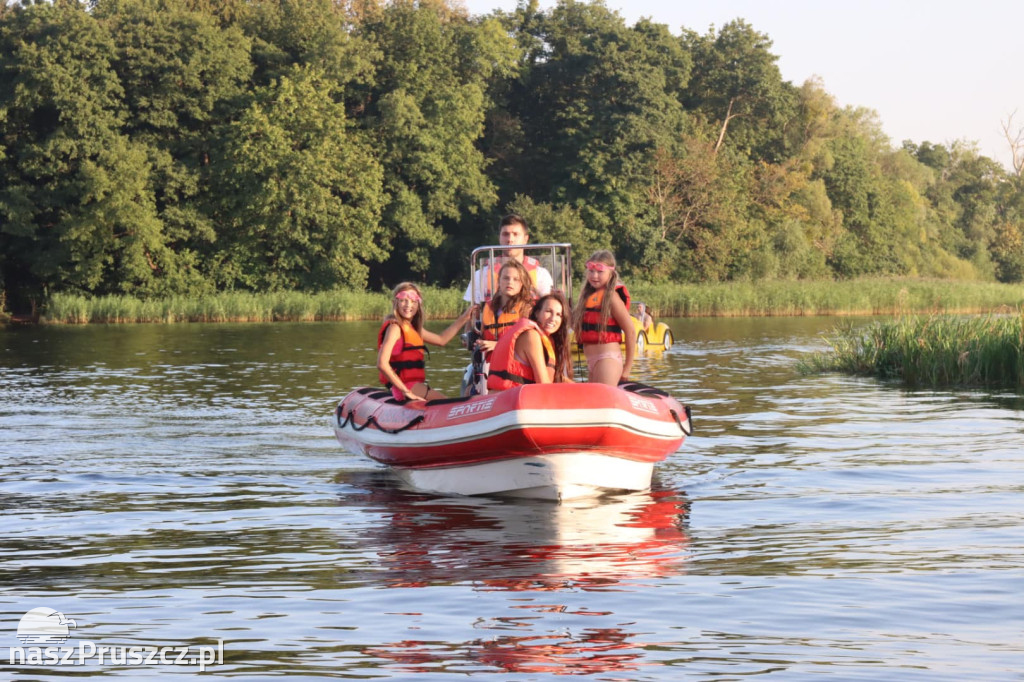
pixel 593 101
pixel 179 69
pixel 300 192
pixel 1008 245
pixel 315 33
pixel 796 216
pixel 425 110
pixel 551 223
pixel 1007 248
pixel 182 73
pixel 700 205
pixel 737 85
pixel 879 232
pixel 75 209
pixel 967 201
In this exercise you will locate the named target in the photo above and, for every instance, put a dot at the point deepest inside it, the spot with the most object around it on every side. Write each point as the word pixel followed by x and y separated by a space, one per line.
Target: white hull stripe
pixel 602 418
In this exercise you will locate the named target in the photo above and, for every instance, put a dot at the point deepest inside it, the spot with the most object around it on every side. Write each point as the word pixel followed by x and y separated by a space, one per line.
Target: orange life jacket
pixel 590 331
pixel 407 357
pixel 530 263
pixel 492 329
pixel 506 370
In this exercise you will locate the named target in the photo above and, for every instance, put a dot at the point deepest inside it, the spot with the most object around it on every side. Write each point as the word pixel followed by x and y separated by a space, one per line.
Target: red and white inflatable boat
pixel 550 441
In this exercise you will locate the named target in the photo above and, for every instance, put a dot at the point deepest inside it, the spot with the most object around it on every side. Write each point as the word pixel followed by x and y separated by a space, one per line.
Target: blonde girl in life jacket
pixel 512 301
pixel 600 318
pixel 401 349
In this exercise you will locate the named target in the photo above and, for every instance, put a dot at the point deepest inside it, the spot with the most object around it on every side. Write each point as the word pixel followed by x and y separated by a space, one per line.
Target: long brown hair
pixel 608 258
pixel 521 301
pixel 560 339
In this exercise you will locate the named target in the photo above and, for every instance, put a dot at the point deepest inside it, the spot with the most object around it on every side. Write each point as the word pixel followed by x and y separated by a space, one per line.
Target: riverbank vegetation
pixel 182 148
pixel 847 297
pixel 861 297
pixel 932 351
pixel 242 306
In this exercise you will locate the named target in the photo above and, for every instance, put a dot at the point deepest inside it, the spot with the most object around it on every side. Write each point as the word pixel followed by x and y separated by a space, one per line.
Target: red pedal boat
pixel 549 441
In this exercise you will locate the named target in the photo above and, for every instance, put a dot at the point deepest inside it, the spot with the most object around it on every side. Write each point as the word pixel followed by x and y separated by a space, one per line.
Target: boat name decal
pixel 467 409
pixel 643 404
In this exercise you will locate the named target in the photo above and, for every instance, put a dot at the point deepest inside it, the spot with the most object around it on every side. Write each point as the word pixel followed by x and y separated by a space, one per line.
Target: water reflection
pixel 614 543
pixel 497 544
pixel 595 650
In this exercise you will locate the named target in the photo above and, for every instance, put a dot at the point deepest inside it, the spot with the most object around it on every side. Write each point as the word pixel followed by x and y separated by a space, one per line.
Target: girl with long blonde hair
pixel 602 323
pixel 401 345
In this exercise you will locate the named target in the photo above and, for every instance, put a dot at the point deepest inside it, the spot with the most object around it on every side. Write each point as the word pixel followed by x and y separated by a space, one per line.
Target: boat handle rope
pixel 372 421
pixel 688 429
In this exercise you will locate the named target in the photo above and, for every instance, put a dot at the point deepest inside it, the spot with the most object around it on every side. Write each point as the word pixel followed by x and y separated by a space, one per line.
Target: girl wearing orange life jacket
pixel 535 349
pixel 512 301
pixel 401 345
pixel 601 316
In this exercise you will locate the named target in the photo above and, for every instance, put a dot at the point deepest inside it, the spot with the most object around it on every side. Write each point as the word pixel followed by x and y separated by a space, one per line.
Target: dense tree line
pixel 158 147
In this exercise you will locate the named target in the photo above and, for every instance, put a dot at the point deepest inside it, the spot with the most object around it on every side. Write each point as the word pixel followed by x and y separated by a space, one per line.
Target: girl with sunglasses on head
pixel 401 345
pixel 599 319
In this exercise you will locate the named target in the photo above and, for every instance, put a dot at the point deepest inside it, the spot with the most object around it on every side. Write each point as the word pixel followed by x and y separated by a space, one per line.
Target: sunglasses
pixel 408 295
pixel 598 267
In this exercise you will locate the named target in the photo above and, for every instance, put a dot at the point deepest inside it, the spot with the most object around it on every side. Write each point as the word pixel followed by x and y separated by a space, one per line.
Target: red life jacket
pixel 407 357
pixel 506 370
pixel 492 329
pixel 591 321
pixel 529 262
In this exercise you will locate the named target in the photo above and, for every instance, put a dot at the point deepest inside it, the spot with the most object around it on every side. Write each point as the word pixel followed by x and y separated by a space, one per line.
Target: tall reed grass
pixel 934 351
pixel 237 306
pixel 853 297
pixel 859 297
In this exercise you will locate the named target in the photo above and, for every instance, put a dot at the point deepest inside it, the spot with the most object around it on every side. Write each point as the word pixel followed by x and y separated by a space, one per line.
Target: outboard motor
pixel 479 368
pixel 474 379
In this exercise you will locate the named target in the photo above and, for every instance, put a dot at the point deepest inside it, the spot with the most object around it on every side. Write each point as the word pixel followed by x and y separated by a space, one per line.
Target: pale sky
pixel 935 70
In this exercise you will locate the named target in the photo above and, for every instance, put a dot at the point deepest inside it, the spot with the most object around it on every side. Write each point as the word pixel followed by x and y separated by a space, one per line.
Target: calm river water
pixel 172 486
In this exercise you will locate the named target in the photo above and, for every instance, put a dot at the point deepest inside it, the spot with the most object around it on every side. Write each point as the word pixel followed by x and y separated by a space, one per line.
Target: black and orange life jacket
pixel 508 372
pixel 492 328
pixel 408 362
pixel 590 331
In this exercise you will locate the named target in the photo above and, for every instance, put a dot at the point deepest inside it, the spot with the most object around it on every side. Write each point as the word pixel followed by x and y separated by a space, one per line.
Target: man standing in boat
pixel 512 231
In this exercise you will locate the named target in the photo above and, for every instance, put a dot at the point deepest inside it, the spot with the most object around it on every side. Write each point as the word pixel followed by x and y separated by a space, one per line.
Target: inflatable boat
pixel 548 441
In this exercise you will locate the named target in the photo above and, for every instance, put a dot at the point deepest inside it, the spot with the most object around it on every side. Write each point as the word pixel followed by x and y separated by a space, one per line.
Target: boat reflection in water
pixel 509 544
pixel 595 650
pixel 608 543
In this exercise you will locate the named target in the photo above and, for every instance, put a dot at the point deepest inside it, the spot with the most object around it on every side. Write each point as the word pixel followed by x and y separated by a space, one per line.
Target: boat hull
pixel 559 476
pixel 554 441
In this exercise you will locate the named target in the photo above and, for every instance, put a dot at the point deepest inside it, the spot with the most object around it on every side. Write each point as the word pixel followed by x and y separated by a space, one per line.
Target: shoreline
pixel 852 298
pixel 26 321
